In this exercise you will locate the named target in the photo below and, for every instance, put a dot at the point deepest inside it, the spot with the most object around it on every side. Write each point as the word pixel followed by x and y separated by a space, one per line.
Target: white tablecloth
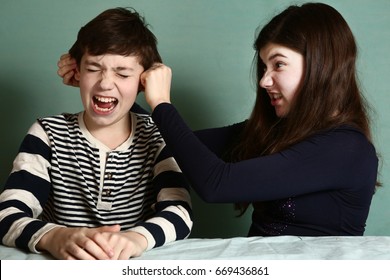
pixel 266 248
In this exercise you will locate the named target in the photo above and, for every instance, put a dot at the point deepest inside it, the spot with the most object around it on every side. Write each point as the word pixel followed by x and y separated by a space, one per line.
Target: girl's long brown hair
pixel 329 95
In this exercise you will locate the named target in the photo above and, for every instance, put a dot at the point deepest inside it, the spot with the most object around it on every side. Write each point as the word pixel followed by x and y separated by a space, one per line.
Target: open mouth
pixel 275 98
pixel 104 104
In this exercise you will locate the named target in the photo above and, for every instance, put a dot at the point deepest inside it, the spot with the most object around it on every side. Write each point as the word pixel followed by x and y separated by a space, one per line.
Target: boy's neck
pixel 113 135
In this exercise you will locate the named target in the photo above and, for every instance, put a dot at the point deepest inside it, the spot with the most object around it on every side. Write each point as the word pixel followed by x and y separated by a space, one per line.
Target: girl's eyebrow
pixel 276 55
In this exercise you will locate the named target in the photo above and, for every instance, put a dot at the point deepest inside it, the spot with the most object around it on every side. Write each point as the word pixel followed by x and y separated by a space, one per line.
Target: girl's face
pixel 282 77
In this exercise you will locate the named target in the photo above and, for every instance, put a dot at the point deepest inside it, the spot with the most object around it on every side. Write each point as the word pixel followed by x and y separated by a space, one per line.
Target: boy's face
pixel 108 87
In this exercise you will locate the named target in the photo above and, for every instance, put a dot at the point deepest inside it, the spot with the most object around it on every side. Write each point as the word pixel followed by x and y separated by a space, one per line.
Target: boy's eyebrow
pixel 93 63
pixel 120 68
pixel 96 64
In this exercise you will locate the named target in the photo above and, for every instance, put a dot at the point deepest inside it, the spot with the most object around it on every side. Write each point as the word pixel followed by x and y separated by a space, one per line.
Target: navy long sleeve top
pixel 320 186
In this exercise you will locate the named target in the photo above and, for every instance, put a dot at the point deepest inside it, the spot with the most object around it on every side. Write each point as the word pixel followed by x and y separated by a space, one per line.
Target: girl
pixel 304 158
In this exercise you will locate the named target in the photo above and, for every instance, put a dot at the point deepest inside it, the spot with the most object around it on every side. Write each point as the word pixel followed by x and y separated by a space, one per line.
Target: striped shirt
pixel 64 176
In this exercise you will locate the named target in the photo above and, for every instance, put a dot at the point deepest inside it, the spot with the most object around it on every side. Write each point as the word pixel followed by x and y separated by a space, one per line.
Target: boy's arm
pixel 173 214
pixel 26 192
pixel 173 221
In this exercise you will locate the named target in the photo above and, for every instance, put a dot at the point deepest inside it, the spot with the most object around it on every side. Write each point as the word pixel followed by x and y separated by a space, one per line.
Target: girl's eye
pixel 123 76
pixel 279 64
pixel 92 70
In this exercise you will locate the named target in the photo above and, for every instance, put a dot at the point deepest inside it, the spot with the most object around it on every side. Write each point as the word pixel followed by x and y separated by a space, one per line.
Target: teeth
pixel 107 104
pixel 103 109
pixel 105 99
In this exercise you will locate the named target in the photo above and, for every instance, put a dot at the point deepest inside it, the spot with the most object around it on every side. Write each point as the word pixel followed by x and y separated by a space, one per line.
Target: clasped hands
pixel 101 243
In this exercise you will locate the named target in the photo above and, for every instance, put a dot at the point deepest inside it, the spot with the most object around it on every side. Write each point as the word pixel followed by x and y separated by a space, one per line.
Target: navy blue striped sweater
pixel 63 176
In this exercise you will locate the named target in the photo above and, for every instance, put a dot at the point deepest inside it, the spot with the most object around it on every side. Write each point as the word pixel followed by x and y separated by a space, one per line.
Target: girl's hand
pixel 156 82
pixel 67 69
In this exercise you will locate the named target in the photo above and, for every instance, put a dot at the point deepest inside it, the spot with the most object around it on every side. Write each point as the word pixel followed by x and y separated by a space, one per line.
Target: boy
pixel 98 184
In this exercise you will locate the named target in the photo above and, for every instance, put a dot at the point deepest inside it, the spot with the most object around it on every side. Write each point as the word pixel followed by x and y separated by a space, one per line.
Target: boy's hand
pixel 66 70
pixel 102 243
pixel 78 243
pixel 125 244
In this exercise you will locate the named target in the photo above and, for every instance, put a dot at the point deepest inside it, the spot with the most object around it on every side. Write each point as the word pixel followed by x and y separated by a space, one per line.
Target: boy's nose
pixel 106 82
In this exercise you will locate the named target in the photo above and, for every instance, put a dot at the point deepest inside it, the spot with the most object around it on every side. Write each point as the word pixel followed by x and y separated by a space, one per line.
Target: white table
pixel 262 248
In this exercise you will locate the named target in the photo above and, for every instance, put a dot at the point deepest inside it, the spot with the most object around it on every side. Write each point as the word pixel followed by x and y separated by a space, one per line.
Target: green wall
pixel 208 44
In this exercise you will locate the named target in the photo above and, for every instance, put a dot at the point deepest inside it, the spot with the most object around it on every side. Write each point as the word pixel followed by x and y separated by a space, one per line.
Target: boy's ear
pixel 140 87
pixel 77 74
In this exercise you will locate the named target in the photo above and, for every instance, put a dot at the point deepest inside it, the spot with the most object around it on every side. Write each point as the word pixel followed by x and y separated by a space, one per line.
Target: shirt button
pixel 109 175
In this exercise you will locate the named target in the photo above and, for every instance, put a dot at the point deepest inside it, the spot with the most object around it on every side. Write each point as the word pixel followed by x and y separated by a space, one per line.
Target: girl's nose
pixel 266 81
